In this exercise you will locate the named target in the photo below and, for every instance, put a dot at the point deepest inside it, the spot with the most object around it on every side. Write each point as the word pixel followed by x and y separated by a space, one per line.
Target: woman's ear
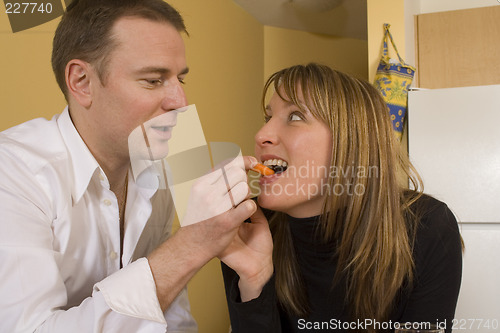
pixel 78 81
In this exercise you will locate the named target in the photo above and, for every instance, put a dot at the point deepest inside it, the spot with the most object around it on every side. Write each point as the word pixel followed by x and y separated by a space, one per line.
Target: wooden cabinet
pixel 458 48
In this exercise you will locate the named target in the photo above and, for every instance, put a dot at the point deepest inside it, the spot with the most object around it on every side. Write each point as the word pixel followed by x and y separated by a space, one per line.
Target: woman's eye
pixel 296 116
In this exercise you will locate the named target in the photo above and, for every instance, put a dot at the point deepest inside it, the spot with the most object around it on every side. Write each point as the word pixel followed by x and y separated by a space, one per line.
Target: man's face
pixel 143 80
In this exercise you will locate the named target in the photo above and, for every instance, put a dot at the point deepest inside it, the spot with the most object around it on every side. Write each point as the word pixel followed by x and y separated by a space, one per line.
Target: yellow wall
pixel 27 86
pixel 380 12
pixel 224 53
pixel 285 47
pixel 230 54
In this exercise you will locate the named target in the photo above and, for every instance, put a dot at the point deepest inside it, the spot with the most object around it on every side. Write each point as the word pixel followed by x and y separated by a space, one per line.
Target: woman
pixel 351 249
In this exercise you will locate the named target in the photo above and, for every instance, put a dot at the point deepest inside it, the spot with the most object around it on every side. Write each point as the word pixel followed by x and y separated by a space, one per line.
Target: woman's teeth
pixel 277 165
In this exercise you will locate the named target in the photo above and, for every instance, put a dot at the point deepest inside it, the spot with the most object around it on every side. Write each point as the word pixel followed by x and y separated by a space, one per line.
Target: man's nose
pixel 175 97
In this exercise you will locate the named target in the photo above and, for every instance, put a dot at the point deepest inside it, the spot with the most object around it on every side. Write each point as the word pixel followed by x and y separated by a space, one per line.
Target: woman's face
pixel 301 144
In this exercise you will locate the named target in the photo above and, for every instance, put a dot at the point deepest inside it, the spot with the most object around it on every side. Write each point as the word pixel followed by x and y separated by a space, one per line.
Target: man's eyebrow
pixel 160 70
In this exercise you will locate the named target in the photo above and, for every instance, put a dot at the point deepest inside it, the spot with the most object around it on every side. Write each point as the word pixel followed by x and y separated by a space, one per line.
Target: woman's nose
pixel 267 135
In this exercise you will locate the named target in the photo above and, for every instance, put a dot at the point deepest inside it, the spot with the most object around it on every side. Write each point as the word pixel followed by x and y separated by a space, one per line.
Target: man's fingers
pixel 226 169
pixel 249 162
pixel 238 193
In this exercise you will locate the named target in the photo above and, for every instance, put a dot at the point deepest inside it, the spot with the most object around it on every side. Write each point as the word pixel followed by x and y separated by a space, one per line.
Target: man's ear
pixel 78 76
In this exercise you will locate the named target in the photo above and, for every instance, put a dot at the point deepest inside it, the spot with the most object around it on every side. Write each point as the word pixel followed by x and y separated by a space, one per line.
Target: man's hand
pixel 213 227
pixel 218 191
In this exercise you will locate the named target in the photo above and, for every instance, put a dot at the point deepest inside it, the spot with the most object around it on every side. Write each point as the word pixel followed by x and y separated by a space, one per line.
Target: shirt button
pixel 113 255
pixel 107 202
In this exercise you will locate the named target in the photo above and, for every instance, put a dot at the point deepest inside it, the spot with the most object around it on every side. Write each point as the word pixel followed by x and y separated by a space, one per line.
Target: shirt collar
pixel 83 162
pixel 149 175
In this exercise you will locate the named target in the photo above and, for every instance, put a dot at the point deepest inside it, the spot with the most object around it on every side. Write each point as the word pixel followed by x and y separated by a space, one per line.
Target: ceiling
pixel 347 19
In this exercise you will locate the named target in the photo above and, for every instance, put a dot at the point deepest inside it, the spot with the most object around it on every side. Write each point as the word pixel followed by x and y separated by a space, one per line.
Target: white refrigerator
pixel 454 142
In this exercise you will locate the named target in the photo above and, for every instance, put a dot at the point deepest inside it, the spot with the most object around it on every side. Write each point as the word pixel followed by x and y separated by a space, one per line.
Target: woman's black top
pixel 431 298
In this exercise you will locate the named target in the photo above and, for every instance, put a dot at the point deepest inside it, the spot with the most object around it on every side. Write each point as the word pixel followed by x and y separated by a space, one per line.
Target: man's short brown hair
pixel 85 31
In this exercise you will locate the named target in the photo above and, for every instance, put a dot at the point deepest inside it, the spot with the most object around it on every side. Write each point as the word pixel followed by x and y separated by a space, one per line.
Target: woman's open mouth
pixel 277 165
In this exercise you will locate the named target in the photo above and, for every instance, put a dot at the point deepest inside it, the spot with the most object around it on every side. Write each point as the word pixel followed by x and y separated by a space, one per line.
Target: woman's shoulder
pixel 428 209
pixel 435 220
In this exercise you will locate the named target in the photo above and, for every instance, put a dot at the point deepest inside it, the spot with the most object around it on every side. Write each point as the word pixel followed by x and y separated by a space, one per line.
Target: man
pixel 77 233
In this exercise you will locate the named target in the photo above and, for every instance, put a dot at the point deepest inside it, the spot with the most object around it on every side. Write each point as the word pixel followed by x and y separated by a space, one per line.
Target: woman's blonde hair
pixel 373 228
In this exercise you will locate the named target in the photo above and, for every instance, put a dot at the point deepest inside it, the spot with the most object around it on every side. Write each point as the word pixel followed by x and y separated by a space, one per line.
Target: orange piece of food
pixel 263 170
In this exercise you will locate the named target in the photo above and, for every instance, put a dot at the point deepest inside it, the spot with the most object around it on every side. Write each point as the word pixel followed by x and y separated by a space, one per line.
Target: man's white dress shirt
pixel 60 240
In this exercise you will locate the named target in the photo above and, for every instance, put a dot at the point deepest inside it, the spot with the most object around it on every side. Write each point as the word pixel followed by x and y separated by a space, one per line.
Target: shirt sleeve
pixel 132 292
pixel 258 315
pixel 33 296
pixel 438 259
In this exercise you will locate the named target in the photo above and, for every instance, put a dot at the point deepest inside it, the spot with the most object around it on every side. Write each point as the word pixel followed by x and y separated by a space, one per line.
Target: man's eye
pixel 181 80
pixel 154 82
pixel 267 118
